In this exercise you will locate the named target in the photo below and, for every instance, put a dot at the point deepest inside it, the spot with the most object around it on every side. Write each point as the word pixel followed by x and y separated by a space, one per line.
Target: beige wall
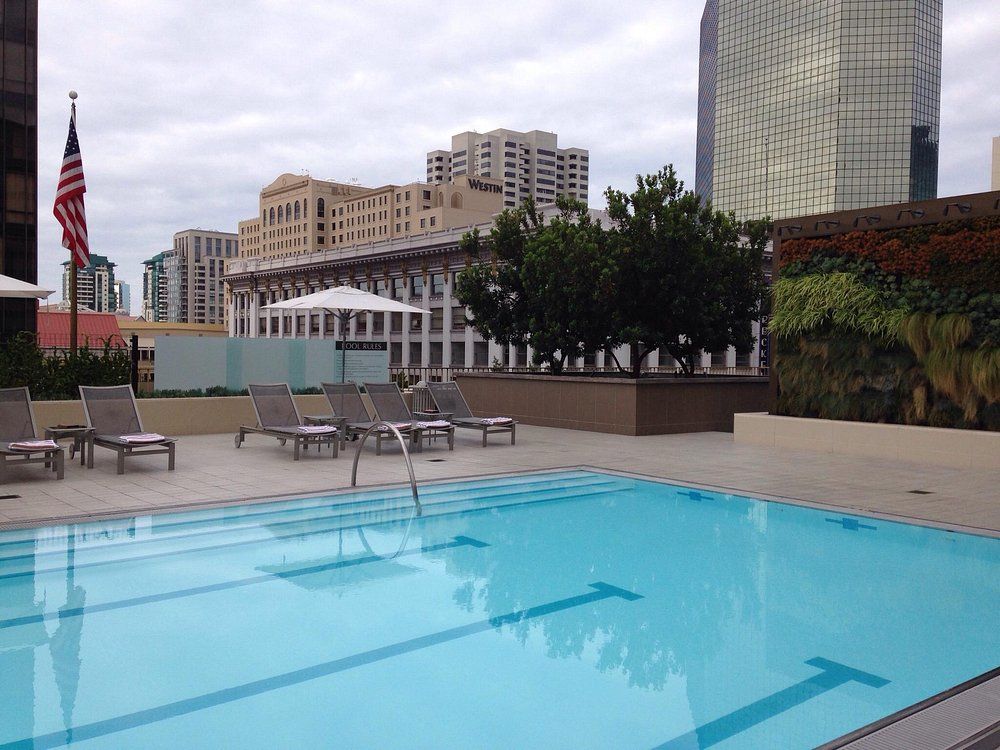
pixel 962 449
pixel 179 416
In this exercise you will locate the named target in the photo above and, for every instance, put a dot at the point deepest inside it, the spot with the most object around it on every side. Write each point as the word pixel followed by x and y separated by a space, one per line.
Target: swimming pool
pixel 572 609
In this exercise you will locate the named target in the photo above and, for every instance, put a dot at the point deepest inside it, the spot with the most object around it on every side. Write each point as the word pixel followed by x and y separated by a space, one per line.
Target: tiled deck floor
pixel 209 469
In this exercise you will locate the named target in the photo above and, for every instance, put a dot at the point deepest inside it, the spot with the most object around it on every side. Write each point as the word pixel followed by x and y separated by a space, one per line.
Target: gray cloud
pixel 188 107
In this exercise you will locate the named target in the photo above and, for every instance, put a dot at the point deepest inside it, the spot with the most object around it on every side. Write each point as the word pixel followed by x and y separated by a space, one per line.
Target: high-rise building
pixel 708 54
pixel 123 297
pixel 820 105
pixel 194 268
pixel 154 290
pixel 95 285
pixel 995 167
pixel 300 214
pixel 18 158
pixel 530 164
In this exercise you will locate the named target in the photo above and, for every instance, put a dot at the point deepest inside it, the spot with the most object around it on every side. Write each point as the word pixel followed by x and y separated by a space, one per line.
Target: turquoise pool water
pixel 559 610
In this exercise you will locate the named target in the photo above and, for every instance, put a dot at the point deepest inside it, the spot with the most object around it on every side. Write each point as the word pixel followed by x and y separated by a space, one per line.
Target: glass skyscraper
pixel 819 105
pixel 18 158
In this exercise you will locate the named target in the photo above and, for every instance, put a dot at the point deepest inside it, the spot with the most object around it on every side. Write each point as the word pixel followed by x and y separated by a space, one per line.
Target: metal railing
pixel 406 457
pixel 436 374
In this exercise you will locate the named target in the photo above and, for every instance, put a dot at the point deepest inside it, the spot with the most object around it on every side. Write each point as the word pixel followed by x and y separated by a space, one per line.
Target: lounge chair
pixel 352 417
pixel 19 443
pixel 448 399
pixel 114 417
pixel 278 417
pixel 390 407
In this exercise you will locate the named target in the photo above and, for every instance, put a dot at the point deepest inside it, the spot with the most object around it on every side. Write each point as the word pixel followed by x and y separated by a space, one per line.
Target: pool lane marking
pixel 290 522
pixel 65 613
pixel 851 524
pixel 330 504
pixel 257 687
pixel 832 676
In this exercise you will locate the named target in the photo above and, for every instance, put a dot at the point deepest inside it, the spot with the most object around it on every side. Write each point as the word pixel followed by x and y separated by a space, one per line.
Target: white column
pixel 470 345
pixel 494 352
pixel 254 314
pixel 233 307
pixel 425 326
pixel 446 325
pixel 322 324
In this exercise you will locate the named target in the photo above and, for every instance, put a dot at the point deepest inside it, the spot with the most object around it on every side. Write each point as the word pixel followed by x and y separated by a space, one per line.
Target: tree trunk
pixel 637 363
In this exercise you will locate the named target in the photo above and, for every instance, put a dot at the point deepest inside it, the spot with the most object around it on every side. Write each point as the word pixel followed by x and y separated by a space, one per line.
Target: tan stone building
pixel 300 214
pixel 529 164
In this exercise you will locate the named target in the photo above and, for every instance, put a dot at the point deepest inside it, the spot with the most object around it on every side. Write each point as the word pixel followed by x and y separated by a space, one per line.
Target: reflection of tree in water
pixel 698 576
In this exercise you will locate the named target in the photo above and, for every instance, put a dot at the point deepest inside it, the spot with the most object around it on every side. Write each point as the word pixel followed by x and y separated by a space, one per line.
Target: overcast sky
pixel 188 107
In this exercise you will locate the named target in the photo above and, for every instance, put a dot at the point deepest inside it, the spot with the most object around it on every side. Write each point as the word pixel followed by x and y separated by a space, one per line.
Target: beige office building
pixel 529 164
pixel 300 214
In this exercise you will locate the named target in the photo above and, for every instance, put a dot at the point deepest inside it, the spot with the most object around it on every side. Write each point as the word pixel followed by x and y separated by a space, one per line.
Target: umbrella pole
pixel 344 320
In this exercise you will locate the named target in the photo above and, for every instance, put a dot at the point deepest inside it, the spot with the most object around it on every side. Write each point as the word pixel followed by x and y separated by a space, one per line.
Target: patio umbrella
pixel 345 302
pixel 11 287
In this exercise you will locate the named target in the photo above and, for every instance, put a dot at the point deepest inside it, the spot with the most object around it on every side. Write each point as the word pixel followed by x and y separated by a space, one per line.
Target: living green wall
pixel 897 326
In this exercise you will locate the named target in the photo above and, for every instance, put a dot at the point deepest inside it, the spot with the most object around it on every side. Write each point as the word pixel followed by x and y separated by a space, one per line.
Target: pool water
pixel 553 610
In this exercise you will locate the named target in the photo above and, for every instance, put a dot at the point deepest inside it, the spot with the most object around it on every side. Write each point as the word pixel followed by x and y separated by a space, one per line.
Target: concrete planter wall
pixel 179 416
pixel 622 406
pixel 961 449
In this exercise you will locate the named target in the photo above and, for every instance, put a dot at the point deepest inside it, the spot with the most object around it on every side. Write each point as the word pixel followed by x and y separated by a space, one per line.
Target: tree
pixel 689 278
pixel 550 285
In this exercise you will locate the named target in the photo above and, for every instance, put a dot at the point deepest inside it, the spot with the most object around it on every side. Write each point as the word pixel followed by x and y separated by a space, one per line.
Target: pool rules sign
pixel 363 361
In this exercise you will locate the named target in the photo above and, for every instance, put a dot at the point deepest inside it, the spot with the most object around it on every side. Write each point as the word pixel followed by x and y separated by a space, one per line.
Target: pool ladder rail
pixel 406 457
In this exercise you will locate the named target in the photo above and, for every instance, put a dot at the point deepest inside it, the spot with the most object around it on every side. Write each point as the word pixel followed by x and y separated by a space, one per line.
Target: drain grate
pixel 435 460
pixel 9 497
pixel 920 492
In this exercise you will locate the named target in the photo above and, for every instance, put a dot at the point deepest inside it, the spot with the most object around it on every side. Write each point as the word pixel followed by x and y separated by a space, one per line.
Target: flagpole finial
pixel 73 95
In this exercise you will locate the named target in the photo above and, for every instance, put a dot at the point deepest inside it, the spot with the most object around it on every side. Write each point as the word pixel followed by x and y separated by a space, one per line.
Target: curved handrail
pixel 406 457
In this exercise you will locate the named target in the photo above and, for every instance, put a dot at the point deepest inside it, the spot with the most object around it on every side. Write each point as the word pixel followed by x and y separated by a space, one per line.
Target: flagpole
pixel 72 259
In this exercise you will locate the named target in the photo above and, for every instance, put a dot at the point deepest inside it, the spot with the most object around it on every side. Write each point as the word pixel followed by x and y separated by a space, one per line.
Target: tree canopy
pixel 670 273
pixel 551 283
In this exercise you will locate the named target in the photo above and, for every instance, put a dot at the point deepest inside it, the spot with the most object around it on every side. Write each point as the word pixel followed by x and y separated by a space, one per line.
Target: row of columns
pixel 245 315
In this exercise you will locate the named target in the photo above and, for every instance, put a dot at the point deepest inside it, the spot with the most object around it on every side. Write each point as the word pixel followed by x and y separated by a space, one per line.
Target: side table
pixel 83 440
pixel 331 419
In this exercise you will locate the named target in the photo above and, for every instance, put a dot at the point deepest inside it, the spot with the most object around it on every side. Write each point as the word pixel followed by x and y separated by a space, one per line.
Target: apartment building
pixel 154 290
pixel 299 214
pixel 530 164
pixel 95 285
pixel 123 298
pixel 194 268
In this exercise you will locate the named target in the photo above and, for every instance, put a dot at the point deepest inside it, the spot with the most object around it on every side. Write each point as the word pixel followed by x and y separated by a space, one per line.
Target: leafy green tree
pixel 689 277
pixel 551 285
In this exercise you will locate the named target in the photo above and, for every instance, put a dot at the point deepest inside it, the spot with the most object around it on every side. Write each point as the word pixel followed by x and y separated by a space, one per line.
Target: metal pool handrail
pixel 406 458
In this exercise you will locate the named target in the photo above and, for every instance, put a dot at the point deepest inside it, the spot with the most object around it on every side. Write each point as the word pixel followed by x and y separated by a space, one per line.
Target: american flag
pixel 68 208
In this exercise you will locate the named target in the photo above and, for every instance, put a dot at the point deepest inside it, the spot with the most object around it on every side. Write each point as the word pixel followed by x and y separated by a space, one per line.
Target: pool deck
pixel 211 470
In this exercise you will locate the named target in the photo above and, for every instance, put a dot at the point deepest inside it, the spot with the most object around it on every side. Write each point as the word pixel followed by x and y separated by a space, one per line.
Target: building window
pixel 398 285
pixel 396 353
pixel 416 354
pixel 416 286
pixel 281 214
pixel 437 284
pixel 298 212
pixel 320 207
pixel 437 318
pixel 433 220
pixel 396 322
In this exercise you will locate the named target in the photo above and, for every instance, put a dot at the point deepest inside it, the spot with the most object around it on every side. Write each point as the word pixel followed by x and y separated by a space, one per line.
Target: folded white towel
pixel 397 425
pixel 496 420
pixel 34 445
pixel 317 429
pixel 143 437
pixel 435 424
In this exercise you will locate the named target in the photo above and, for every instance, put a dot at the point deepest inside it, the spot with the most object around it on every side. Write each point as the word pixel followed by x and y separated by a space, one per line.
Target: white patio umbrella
pixel 11 287
pixel 345 302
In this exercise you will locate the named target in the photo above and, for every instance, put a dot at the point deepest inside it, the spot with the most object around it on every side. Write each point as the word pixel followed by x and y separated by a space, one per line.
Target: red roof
pixel 92 329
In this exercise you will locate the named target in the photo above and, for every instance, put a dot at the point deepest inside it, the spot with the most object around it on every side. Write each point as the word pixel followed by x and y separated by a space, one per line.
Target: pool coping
pixel 854 739
pixel 332 493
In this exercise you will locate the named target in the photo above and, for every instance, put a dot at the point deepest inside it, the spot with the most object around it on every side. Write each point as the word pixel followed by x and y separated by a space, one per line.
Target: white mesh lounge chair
pixel 19 442
pixel 278 417
pixel 390 407
pixel 352 417
pixel 113 415
pixel 448 399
